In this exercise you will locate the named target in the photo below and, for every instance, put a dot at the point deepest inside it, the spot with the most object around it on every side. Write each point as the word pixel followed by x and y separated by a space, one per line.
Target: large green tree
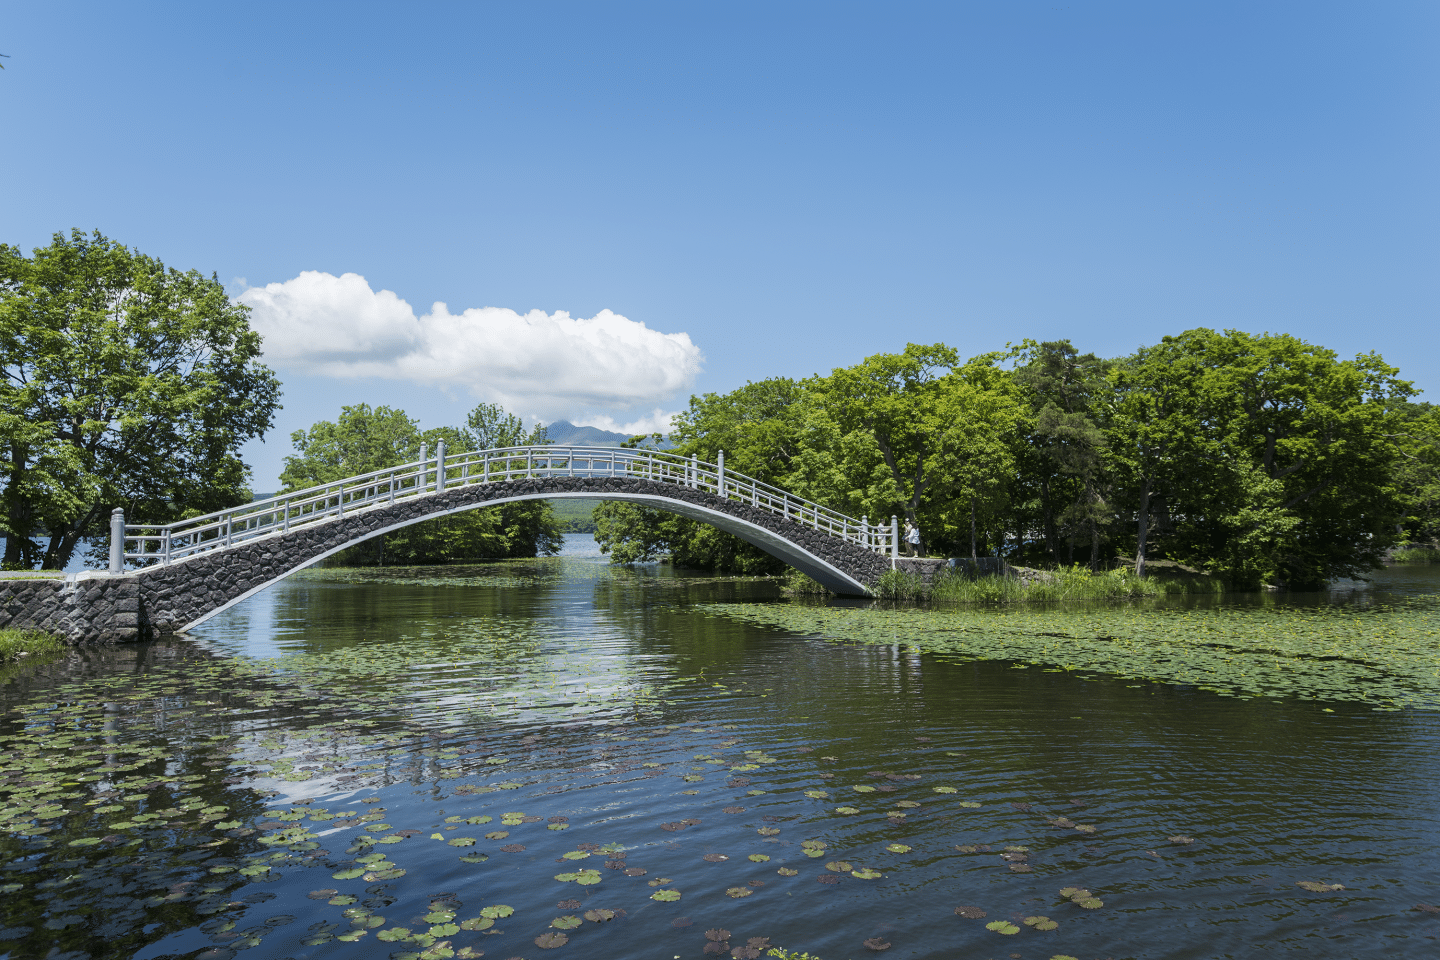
pixel 1061 471
pixel 921 434
pixel 126 384
pixel 1273 459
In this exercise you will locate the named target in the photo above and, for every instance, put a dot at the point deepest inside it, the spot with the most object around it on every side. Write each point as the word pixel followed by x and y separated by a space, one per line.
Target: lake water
pixel 555 758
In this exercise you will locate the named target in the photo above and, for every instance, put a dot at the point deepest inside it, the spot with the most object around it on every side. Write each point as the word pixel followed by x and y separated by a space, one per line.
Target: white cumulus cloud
pixel 536 364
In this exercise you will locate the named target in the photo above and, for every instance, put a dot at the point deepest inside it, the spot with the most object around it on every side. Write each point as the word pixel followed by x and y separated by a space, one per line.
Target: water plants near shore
pixel 1385 655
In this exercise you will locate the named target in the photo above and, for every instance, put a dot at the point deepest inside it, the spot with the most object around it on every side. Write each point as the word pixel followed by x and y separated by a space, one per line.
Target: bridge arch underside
pixel 185 594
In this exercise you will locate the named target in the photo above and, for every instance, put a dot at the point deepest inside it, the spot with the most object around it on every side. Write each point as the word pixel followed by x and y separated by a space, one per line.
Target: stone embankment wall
pixel 90 607
pixel 164 600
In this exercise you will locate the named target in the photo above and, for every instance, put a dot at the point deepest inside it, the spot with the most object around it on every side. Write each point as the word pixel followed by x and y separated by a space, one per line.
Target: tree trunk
pixel 1094 546
pixel 972 529
pixel 1049 522
pixel 1144 530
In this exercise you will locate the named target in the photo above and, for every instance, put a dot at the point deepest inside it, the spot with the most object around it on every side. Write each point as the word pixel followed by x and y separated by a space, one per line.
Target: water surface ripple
pixel 361 767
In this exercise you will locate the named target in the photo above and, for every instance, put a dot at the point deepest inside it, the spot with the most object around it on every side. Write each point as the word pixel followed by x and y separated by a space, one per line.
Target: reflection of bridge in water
pixel 192 569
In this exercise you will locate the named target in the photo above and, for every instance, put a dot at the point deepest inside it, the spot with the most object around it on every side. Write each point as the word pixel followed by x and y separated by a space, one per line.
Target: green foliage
pixel 30 643
pixel 782 954
pixel 1416 555
pixel 1417 474
pixel 364 439
pixel 126 384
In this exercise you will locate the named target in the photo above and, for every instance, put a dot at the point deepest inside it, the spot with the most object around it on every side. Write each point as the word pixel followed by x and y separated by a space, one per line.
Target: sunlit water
pixel 612 717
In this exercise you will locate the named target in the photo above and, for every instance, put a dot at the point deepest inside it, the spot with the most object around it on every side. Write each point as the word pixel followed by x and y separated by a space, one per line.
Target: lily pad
pixel 1002 926
pixel 899 848
pixel 865 873
pixel 566 923
pixel 665 896
pixel 549 941
pixel 736 893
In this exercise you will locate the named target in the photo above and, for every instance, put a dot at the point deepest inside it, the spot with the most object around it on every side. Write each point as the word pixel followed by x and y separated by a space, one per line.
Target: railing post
pixel 422 477
pixel 229 528
pixel 285 526
pixel 720 474
pixel 165 548
pixel 894 537
pixel 440 466
pixel 694 472
pixel 865 531
pixel 485 476
pixel 117 541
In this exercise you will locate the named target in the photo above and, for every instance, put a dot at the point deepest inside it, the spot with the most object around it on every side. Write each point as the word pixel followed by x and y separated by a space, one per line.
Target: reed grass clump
pixel 900 585
pixel 1074 583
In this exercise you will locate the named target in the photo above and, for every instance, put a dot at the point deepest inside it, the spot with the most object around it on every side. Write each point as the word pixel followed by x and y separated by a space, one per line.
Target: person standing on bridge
pixel 912 539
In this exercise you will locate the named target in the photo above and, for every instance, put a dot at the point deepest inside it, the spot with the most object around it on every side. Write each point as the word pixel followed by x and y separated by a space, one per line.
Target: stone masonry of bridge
pixel 164 599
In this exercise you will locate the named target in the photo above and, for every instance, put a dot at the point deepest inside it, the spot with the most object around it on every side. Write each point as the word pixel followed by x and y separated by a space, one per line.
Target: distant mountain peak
pixel 567 434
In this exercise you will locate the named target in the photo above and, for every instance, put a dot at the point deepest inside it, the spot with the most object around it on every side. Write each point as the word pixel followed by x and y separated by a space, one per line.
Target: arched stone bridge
pixel 193 569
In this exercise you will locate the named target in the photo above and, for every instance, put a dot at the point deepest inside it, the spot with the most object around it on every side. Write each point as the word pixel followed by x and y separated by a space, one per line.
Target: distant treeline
pixel 575 516
pixel 1260 459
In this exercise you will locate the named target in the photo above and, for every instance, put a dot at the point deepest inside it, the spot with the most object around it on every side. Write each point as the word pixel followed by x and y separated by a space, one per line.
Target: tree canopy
pixel 126 384
pixel 1258 458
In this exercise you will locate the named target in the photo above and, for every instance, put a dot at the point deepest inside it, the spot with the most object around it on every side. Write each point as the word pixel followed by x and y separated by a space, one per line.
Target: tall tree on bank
pixel 1065 451
pixel 1269 459
pixel 945 432
pixel 126 384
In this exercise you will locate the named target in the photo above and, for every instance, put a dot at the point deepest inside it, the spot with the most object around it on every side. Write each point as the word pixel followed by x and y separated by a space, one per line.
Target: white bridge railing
pixel 149 544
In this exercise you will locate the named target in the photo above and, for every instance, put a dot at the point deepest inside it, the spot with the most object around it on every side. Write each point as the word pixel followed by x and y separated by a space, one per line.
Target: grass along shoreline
pixel 1038 586
pixel 16 644
pixel 1416 555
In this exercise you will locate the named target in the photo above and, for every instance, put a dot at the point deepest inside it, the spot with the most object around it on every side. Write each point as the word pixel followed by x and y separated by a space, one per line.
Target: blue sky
pixel 790 186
